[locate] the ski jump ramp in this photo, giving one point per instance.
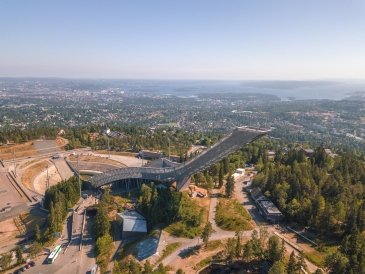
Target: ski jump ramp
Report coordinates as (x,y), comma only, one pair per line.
(180,174)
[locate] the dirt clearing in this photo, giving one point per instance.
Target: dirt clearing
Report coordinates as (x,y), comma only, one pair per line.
(40,180)
(20,150)
(61,142)
(96,159)
(29,173)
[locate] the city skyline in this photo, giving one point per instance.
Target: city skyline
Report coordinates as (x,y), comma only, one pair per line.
(208,40)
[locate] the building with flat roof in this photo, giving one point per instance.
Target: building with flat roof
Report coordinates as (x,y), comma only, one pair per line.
(270,211)
(240,171)
(308,152)
(266,207)
(150,155)
(134,225)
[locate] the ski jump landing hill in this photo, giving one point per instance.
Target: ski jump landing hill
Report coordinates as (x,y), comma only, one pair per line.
(180,174)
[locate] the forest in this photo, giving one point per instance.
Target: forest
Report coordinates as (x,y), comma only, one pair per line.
(321,193)
(58,200)
(163,206)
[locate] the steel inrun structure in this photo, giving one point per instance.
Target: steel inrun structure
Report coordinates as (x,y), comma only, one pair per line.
(180,174)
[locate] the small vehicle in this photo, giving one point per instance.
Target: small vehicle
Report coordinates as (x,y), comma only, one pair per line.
(56,156)
(27,266)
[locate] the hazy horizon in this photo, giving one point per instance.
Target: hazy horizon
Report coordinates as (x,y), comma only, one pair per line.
(302,90)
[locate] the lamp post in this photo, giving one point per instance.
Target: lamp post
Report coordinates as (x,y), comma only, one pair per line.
(78,172)
(14,162)
(169,147)
(47,179)
(108,148)
(168,139)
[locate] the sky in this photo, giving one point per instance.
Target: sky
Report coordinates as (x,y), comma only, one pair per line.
(183,39)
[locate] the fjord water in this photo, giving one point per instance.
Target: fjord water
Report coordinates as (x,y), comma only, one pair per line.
(301,90)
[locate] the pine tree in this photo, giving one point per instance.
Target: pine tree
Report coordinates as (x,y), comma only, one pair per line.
(277,268)
(248,251)
(19,255)
(207,232)
(148,268)
(275,252)
(37,234)
(102,224)
(301,262)
(229,186)
(292,263)
(225,165)
(238,244)
(220,176)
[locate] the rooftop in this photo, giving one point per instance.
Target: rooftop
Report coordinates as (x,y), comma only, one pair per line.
(269,207)
(133,221)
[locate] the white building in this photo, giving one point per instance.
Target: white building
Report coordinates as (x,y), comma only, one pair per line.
(240,171)
(134,225)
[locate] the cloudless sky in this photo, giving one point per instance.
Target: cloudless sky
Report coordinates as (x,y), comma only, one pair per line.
(183,39)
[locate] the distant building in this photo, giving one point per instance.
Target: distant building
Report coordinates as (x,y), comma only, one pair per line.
(10,142)
(240,171)
(308,152)
(266,208)
(330,153)
(105,129)
(271,154)
(150,155)
(115,134)
(133,224)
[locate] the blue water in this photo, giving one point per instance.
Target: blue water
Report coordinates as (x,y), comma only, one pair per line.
(300,90)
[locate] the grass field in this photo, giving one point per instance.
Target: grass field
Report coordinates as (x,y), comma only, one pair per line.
(183,228)
(213,245)
(232,216)
(31,172)
(203,263)
(318,257)
(169,249)
(180,229)
(96,159)
(20,150)
(315,257)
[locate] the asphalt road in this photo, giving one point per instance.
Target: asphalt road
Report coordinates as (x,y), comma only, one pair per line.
(63,169)
(10,195)
(72,260)
(46,146)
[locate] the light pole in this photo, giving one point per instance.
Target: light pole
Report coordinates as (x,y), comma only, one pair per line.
(14,162)
(168,139)
(78,173)
(142,156)
(169,147)
(108,148)
(47,179)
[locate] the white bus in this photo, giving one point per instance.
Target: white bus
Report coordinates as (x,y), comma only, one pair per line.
(52,257)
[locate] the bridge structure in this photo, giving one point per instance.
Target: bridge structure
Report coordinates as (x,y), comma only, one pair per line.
(181,174)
